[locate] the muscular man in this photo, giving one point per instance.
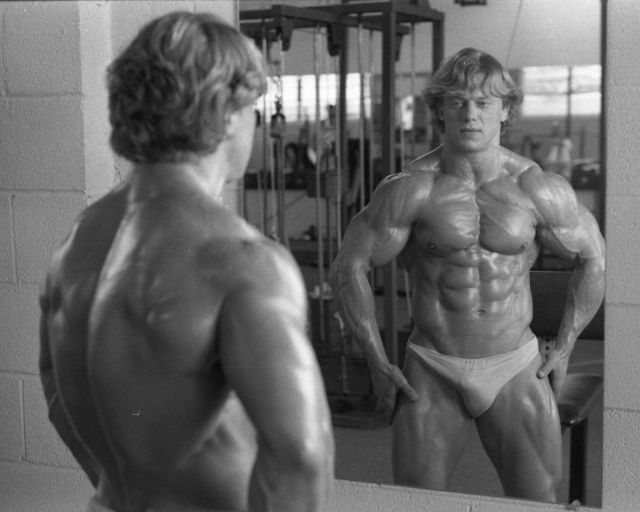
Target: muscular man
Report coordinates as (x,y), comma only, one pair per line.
(466,221)
(174,357)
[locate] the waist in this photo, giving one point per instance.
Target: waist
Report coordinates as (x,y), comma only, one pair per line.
(471,343)
(527,349)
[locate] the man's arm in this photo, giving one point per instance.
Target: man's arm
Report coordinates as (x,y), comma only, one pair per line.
(57,413)
(569,230)
(374,237)
(269,362)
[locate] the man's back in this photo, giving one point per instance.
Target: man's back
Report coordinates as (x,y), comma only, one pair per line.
(134,336)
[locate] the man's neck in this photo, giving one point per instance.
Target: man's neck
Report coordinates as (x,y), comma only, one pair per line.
(474,168)
(200,173)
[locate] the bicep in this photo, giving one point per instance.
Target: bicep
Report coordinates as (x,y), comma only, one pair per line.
(573,233)
(381,230)
(565,226)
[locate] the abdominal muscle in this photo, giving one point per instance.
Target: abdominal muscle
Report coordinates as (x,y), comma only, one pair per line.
(471,307)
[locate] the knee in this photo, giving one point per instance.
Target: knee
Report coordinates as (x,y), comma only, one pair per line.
(542,486)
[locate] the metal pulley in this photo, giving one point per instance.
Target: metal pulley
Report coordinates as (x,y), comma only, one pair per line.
(278,122)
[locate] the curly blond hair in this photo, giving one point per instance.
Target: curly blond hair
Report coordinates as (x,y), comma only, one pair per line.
(172,89)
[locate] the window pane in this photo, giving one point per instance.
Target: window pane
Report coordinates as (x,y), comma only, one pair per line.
(585,78)
(585,104)
(544,105)
(299,96)
(545,80)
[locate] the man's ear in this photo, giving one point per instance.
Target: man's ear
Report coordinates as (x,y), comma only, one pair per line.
(505,113)
(230,123)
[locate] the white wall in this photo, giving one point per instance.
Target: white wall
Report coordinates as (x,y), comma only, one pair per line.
(52,138)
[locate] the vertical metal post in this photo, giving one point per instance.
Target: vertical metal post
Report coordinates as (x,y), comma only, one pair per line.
(567,130)
(603,112)
(388,126)
(437,53)
(318,195)
(341,142)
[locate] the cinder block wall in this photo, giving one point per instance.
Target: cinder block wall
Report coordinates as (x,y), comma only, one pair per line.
(54,160)
(42,188)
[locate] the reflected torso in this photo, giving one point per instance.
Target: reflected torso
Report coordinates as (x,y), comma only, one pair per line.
(468,257)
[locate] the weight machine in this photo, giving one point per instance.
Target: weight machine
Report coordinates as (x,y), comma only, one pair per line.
(393,20)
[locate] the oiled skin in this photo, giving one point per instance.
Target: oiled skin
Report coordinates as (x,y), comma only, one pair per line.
(466,221)
(174,355)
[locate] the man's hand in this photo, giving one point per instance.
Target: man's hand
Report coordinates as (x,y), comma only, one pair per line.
(555,356)
(387,381)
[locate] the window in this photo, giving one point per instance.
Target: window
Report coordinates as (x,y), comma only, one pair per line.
(560,90)
(299,95)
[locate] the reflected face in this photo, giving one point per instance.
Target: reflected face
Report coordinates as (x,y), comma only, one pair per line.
(472,120)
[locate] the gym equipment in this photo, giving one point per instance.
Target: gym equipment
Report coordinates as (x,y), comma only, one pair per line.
(392,20)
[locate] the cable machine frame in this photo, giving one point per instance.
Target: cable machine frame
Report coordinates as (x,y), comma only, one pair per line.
(394,20)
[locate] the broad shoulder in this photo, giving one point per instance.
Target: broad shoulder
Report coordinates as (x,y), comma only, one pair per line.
(399,197)
(413,182)
(224,249)
(78,261)
(250,259)
(553,196)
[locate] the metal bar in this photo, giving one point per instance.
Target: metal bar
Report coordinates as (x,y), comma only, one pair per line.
(318,201)
(307,17)
(343,133)
(405,11)
(603,117)
(361,166)
(437,54)
(262,174)
(388,125)
(577,465)
(253,29)
(295,13)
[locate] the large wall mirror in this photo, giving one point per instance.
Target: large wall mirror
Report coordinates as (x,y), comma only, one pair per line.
(552,49)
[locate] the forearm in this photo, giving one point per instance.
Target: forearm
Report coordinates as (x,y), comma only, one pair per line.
(584,297)
(64,428)
(356,304)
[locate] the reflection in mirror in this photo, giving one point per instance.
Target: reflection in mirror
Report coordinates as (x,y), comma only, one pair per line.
(340,115)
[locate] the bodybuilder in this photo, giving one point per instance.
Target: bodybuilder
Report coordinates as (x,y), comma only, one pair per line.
(173,350)
(467,221)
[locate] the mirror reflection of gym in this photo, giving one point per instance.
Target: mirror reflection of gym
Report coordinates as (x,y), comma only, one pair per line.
(345,109)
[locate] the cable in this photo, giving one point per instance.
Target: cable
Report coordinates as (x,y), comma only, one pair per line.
(513,33)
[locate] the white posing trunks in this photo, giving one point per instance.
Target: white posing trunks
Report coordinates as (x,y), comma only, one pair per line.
(478,380)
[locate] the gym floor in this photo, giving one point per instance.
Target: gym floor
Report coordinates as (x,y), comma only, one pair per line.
(365,454)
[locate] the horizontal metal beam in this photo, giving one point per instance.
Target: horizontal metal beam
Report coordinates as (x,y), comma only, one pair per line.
(371,15)
(406,11)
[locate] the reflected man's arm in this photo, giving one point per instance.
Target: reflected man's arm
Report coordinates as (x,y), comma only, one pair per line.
(57,413)
(569,230)
(374,237)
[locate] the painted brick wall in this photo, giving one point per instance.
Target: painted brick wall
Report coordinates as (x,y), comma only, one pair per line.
(42,188)
(55,159)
